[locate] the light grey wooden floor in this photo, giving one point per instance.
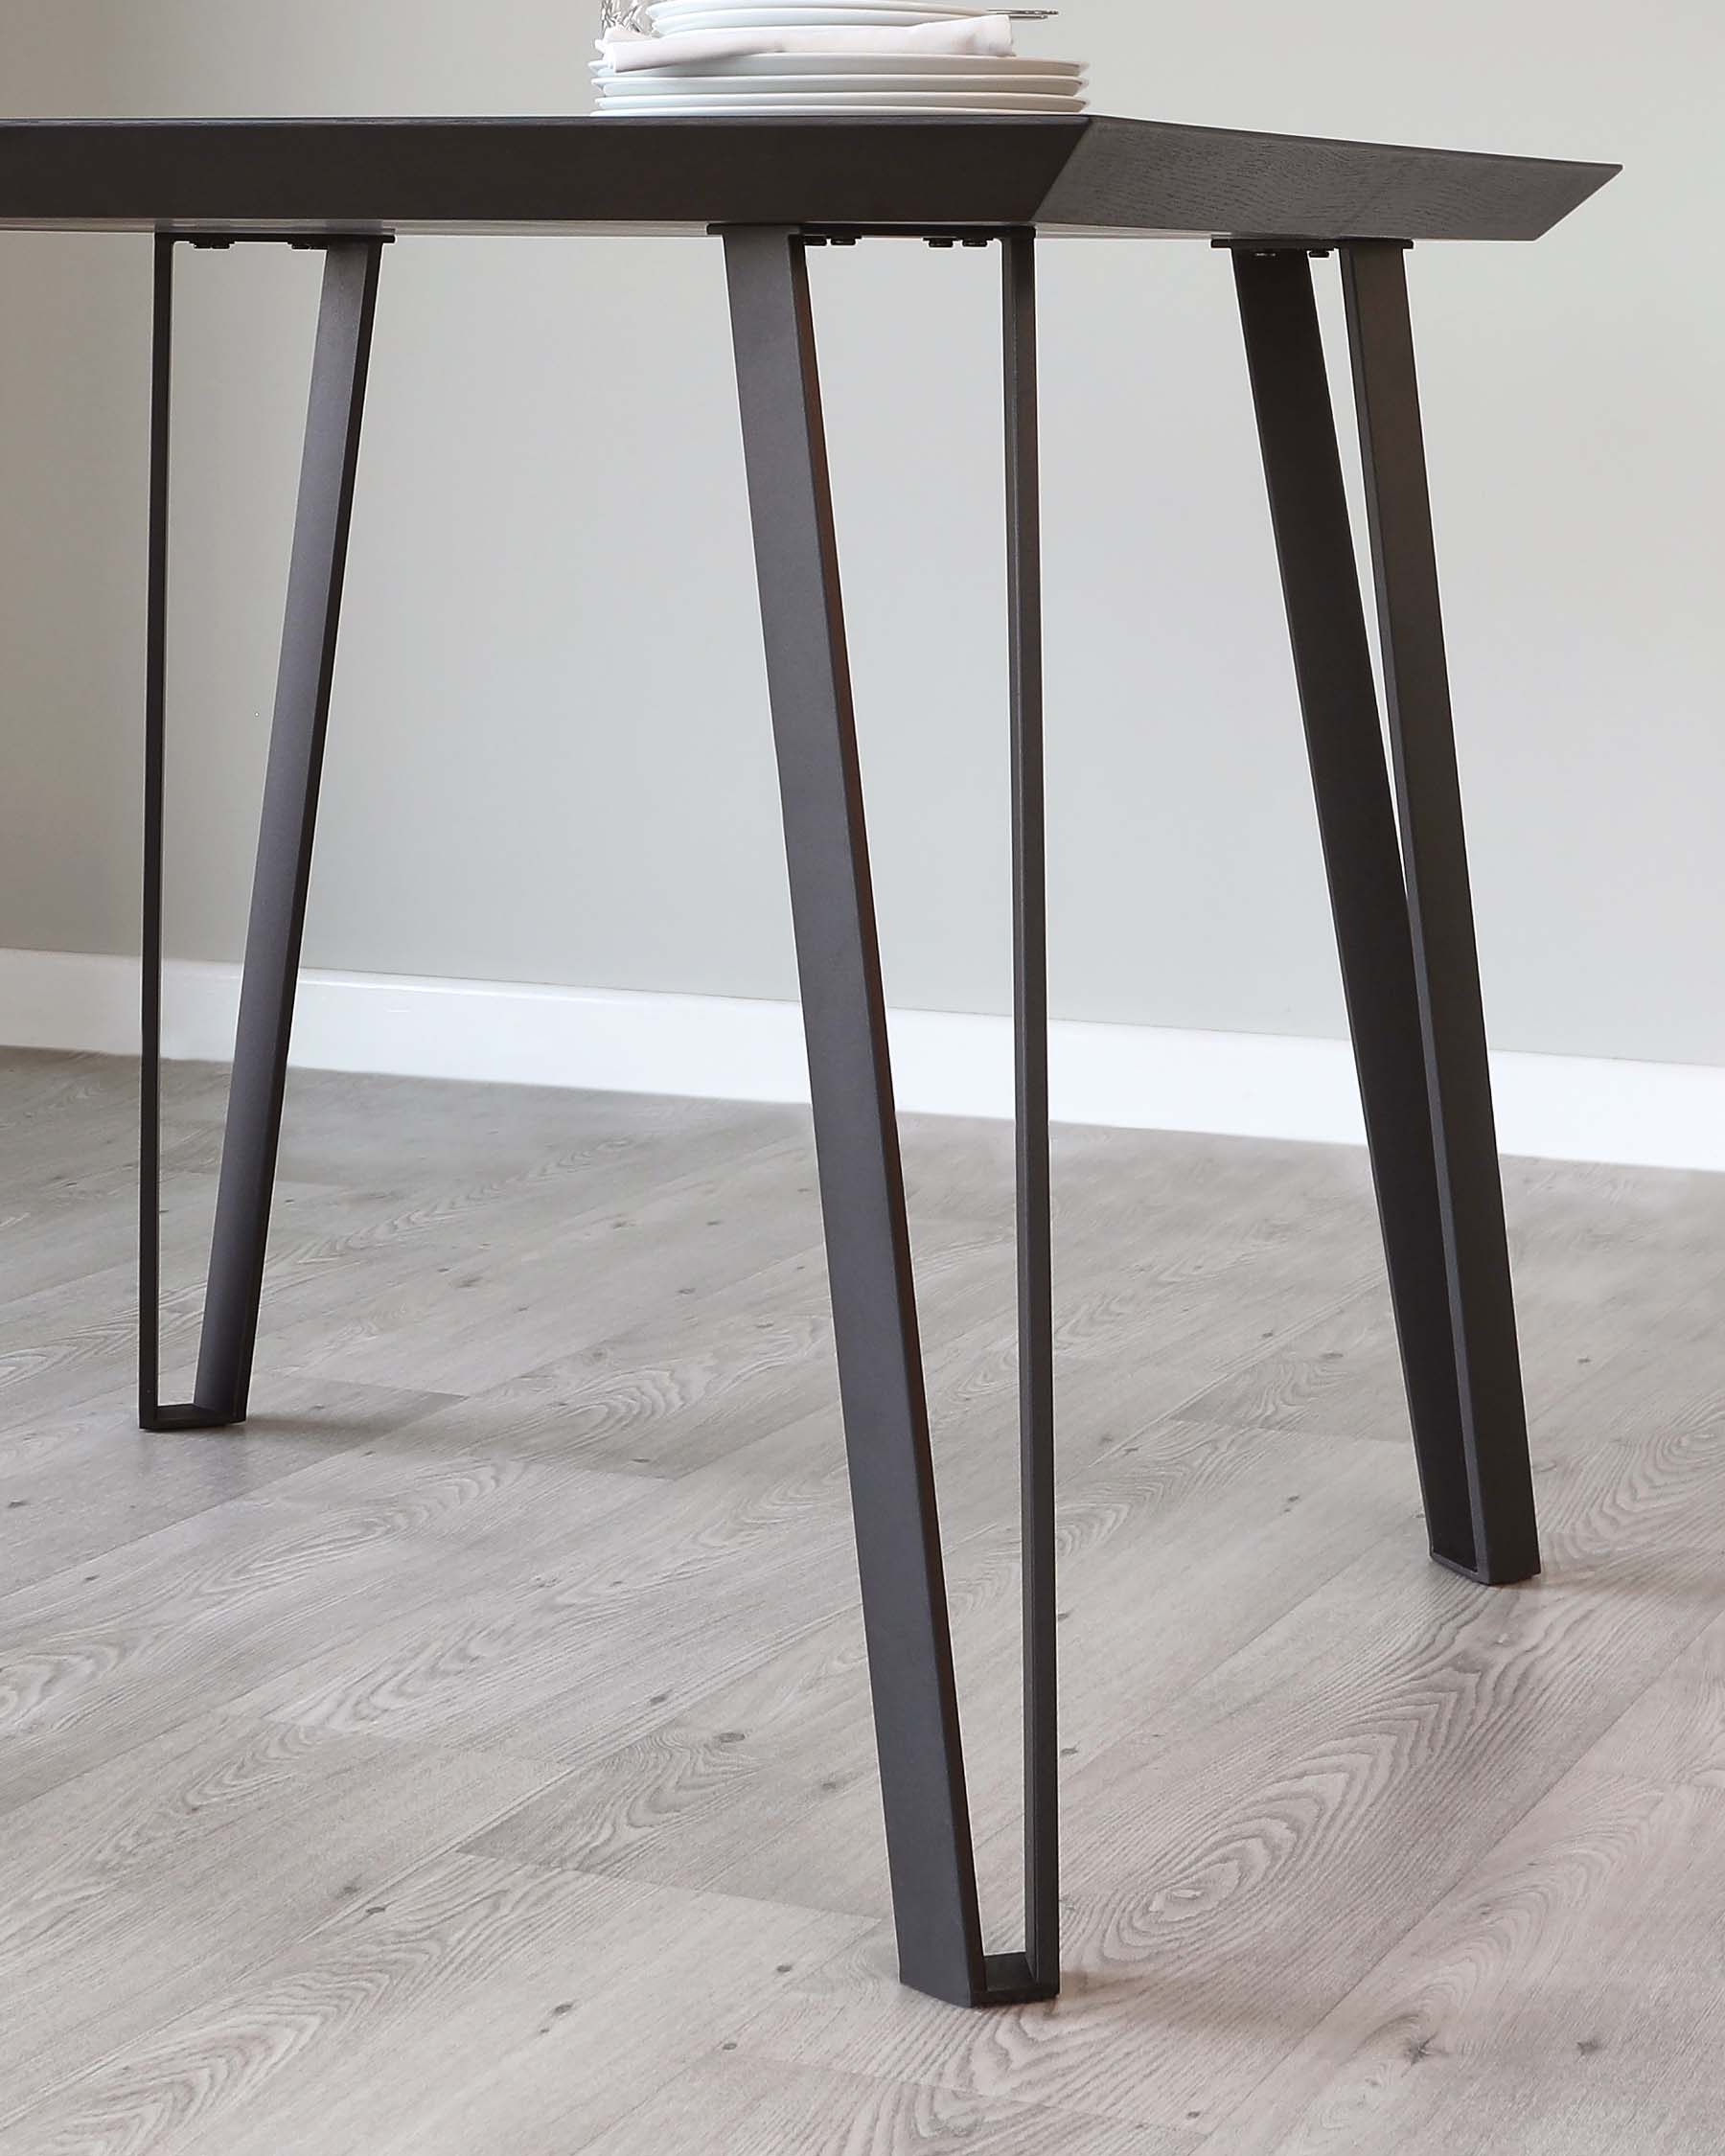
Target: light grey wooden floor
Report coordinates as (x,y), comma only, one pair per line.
(471,1757)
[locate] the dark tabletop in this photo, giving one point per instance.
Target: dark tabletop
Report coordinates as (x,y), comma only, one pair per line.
(1089,173)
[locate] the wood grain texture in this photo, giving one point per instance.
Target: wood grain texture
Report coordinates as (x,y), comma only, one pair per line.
(1175,1550)
(730,2101)
(474,1752)
(1138,176)
(1573,1967)
(475,2006)
(157,1879)
(86,1497)
(1086,173)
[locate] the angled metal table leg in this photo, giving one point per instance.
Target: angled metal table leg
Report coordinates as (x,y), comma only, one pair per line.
(151,1414)
(278,906)
(1030,1057)
(1446,964)
(1418,1040)
(929,1841)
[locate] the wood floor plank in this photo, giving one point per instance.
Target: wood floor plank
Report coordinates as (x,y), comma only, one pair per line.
(752,2107)
(451,1182)
(123,1646)
(1175,1551)
(72,1236)
(63,1115)
(679,1589)
(477,2007)
(480,1312)
(551,1635)
(684,1387)
(1586,1243)
(160,1878)
(91,1481)
(1674,1734)
(1544,2006)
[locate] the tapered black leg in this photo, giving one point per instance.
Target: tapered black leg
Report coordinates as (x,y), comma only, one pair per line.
(1030,1015)
(862,1186)
(1446,965)
(284,838)
(1434,1156)
(152,1414)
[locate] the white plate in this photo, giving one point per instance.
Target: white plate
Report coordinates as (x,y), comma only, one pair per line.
(841,101)
(809,113)
(854,15)
(887,12)
(812,15)
(773,11)
(708,88)
(943,10)
(805,17)
(759,65)
(862,13)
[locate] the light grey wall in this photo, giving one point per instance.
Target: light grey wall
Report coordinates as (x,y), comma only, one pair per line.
(549,757)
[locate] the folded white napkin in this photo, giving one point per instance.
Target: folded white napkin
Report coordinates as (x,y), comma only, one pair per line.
(625,49)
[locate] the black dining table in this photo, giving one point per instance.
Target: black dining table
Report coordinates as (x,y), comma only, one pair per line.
(767,190)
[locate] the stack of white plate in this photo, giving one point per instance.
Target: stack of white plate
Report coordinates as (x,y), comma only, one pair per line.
(831,82)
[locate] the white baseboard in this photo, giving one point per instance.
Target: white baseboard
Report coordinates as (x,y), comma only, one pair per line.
(1247,1084)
